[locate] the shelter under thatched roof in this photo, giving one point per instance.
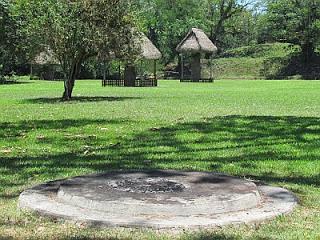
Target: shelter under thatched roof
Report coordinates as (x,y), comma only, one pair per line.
(45,57)
(142,49)
(148,50)
(45,66)
(145,49)
(196,41)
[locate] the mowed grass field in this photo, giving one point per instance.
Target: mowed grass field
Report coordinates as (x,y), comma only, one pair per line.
(262,130)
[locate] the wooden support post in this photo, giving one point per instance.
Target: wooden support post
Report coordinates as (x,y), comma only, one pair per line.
(211,65)
(155,70)
(104,71)
(141,70)
(31,71)
(155,73)
(182,68)
(104,74)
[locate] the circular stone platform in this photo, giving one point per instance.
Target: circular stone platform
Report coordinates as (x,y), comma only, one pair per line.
(158,199)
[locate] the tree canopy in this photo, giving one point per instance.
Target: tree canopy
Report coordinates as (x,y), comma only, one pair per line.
(297,22)
(10,53)
(167,21)
(76,30)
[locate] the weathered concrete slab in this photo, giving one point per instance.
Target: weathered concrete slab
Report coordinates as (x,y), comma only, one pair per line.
(158,199)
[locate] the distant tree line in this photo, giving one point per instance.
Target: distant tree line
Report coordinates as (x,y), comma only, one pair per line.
(233,23)
(78,30)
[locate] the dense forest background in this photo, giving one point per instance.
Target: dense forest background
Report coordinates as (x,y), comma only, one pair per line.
(281,36)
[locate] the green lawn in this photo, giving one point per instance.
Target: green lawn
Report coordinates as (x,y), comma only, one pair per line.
(262,130)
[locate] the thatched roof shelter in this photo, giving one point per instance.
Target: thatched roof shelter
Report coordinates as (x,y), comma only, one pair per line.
(143,49)
(196,41)
(44,65)
(45,57)
(149,51)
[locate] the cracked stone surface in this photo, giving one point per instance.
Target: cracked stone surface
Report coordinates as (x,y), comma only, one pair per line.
(158,199)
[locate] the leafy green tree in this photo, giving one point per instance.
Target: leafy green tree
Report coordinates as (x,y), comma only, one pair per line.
(9,39)
(231,22)
(166,22)
(239,30)
(296,22)
(76,30)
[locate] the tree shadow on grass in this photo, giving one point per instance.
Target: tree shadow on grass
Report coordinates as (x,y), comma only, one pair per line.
(15,131)
(244,142)
(13,82)
(259,147)
(6,238)
(79,99)
(93,238)
(210,236)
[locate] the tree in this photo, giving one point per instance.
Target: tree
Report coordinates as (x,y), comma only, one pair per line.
(9,39)
(76,30)
(166,22)
(297,22)
(238,30)
(228,18)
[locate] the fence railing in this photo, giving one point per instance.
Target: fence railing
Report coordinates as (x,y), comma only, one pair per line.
(138,83)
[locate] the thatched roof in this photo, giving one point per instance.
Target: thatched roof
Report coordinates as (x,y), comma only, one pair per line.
(196,41)
(144,48)
(45,57)
(148,50)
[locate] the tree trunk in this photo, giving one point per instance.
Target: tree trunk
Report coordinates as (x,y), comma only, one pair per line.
(153,35)
(308,51)
(69,81)
(68,88)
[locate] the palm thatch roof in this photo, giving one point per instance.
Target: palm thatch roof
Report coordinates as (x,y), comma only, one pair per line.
(143,48)
(196,41)
(148,50)
(45,57)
